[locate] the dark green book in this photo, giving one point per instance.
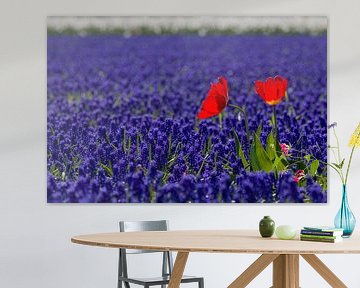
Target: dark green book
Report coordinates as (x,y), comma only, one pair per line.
(324,239)
(319,236)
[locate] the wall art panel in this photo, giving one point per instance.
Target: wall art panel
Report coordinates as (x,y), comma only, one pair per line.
(187,109)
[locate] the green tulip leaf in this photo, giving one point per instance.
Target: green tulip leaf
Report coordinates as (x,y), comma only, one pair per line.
(239,150)
(313,167)
(270,146)
(262,157)
(253,158)
(278,163)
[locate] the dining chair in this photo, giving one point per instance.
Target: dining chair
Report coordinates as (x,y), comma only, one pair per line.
(167,261)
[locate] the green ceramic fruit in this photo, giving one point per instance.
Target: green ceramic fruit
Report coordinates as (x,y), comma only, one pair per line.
(266,226)
(285,232)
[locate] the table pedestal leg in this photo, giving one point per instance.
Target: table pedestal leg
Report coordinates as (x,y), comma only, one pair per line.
(324,271)
(178,269)
(286,271)
(253,270)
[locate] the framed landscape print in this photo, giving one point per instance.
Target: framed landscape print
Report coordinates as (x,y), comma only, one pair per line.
(187,109)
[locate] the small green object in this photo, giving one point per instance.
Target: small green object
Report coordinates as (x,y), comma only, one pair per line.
(313,167)
(267,227)
(285,232)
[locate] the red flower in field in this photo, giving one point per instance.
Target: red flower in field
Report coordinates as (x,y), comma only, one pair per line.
(216,99)
(284,148)
(299,175)
(273,90)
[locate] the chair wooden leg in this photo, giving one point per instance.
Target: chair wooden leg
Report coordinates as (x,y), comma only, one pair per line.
(253,270)
(324,271)
(286,271)
(178,269)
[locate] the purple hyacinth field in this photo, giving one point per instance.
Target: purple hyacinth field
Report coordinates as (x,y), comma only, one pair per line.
(122,121)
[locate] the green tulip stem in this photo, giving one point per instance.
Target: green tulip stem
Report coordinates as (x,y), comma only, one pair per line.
(220,120)
(348,167)
(243,112)
(275,125)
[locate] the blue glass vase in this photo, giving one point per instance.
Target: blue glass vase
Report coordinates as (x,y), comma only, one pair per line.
(345,219)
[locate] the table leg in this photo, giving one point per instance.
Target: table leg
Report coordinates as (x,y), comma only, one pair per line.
(253,270)
(324,271)
(286,271)
(178,269)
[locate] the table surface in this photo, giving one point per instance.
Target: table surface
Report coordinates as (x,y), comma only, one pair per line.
(216,241)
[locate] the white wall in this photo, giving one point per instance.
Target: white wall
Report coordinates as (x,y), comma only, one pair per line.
(35,248)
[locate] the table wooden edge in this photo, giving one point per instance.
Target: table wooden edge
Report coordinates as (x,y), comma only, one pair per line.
(75,240)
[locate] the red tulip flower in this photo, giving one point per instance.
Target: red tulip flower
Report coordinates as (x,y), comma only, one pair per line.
(216,99)
(273,90)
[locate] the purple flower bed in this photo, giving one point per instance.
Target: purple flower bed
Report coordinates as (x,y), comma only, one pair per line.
(122,118)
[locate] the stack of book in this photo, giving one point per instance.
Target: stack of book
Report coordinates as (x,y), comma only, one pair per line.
(321,234)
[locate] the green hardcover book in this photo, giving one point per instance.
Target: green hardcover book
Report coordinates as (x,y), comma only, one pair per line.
(319,236)
(321,239)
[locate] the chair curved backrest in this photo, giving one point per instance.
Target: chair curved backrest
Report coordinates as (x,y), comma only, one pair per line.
(133,226)
(136,226)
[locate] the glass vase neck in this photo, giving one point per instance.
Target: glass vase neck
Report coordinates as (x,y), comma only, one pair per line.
(344,200)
